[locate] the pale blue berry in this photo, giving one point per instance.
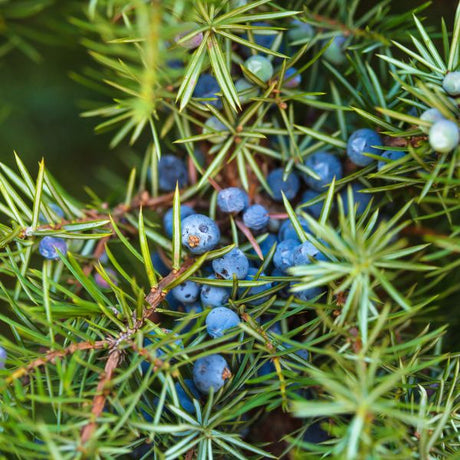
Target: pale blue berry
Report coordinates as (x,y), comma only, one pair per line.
(432,116)
(451,83)
(307,295)
(199,233)
(234,263)
(214,296)
(290,186)
(219,320)
(335,52)
(232,200)
(246,90)
(284,254)
(210,373)
(256,217)
(444,136)
(186,292)
(300,31)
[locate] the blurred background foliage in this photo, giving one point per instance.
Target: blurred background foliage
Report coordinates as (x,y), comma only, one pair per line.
(40,103)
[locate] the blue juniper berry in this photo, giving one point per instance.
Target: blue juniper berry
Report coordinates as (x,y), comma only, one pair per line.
(290,186)
(199,233)
(186,292)
(451,83)
(210,373)
(184,399)
(168,217)
(214,296)
(312,209)
(207,87)
(171,170)
(256,217)
(49,247)
(326,166)
(234,263)
(232,200)
(219,320)
(363,141)
(288,232)
(283,257)
(391,155)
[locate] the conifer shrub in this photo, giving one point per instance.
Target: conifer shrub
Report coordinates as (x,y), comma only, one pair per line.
(275,272)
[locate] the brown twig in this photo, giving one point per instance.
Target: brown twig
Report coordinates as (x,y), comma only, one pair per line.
(51,356)
(101,394)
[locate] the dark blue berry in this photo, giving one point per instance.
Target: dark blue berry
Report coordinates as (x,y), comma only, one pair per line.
(287,230)
(185,211)
(359,198)
(234,263)
(307,295)
(315,434)
(210,373)
(304,252)
(207,87)
(219,320)
(261,37)
(199,233)
(326,166)
(267,244)
(363,141)
(214,296)
(312,209)
(291,81)
(256,217)
(232,200)
(392,155)
(49,247)
(290,186)
(159,265)
(184,398)
(171,169)
(187,292)
(256,289)
(56,209)
(284,254)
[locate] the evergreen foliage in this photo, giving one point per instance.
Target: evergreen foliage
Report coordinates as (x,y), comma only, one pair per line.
(356,349)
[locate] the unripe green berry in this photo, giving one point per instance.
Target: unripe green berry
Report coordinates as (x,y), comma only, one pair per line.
(214,124)
(260,66)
